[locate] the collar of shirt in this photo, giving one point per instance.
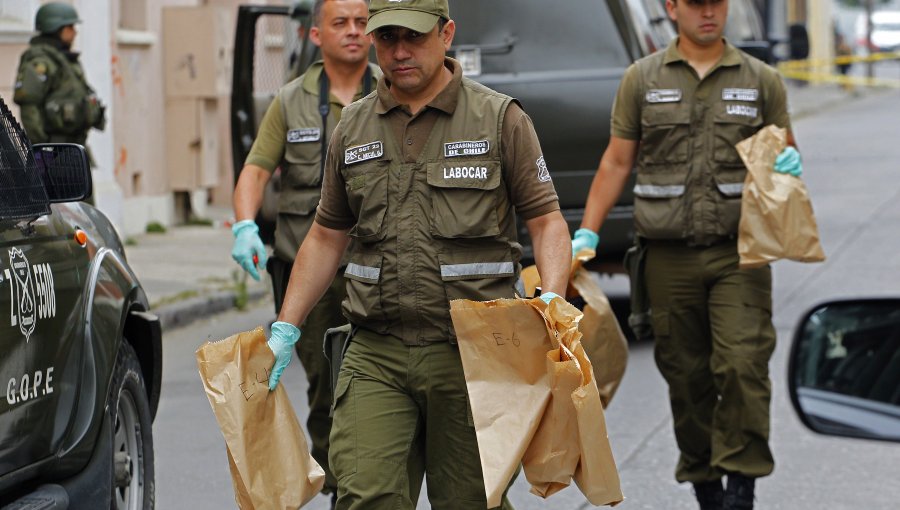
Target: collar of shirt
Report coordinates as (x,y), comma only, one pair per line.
(311,81)
(445,101)
(731,56)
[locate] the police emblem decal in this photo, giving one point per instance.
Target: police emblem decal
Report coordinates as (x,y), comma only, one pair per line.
(362,153)
(303,135)
(24,303)
(456,149)
(543,171)
(663,95)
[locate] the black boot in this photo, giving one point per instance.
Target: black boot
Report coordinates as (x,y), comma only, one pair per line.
(709,494)
(739,493)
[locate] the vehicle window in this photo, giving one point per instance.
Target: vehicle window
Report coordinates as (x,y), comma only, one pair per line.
(744,22)
(520,36)
(22,193)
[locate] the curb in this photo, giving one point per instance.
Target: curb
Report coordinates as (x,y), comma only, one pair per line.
(182,313)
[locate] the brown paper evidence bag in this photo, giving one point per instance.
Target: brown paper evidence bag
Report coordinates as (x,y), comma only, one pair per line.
(534,398)
(259,426)
(777,220)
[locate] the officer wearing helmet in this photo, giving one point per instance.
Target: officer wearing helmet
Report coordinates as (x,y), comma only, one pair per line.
(57,104)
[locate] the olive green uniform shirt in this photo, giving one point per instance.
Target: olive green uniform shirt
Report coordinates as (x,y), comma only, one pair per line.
(431,198)
(290,135)
(520,150)
(689,175)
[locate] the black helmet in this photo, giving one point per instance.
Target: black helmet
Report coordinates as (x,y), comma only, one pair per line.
(53,16)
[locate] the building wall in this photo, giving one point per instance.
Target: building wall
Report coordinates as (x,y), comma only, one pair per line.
(123,53)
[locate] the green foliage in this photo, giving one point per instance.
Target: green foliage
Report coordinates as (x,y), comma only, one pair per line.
(241,296)
(862,3)
(200,222)
(155,227)
(130,241)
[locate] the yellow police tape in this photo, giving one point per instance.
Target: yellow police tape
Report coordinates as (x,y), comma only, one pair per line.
(814,70)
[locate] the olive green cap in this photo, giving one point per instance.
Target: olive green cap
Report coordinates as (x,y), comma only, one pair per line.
(53,16)
(417,15)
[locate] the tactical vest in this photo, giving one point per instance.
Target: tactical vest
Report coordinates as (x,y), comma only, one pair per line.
(301,169)
(689,176)
(438,229)
(70,108)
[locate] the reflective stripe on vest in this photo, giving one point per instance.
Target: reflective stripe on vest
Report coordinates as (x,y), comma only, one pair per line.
(477,269)
(654,191)
(364,272)
(731,190)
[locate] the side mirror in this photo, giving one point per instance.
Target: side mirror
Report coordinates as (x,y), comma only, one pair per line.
(844,369)
(798,41)
(64,170)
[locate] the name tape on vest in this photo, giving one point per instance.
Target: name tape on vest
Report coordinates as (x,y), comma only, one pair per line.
(304,135)
(750,95)
(543,171)
(362,153)
(455,149)
(465,172)
(741,110)
(663,95)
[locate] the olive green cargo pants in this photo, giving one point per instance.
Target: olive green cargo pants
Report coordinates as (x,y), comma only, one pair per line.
(326,314)
(714,338)
(402,412)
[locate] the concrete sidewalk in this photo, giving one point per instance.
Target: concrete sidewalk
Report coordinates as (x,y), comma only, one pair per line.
(188,272)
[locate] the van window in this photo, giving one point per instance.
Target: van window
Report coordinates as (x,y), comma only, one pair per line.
(517,36)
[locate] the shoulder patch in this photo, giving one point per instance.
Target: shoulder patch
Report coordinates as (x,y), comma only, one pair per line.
(543,171)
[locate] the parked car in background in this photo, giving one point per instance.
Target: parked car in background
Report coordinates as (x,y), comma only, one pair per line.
(885,31)
(567,84)
(80,353)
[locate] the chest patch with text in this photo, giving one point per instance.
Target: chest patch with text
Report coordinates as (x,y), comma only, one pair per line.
(303,135)
(466,172)
(455,149)
(732,94)
(741,110)
(663,95)
(360,153)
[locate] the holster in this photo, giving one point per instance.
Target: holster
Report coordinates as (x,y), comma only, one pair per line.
(335,345)
(640,318)
(280,271)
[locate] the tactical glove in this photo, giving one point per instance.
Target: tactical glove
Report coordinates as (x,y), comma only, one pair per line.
(584,238)
(247,244)
(788,162)
(281,341)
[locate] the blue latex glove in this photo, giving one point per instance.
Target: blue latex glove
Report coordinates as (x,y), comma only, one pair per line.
(788,162)
(284,336)
(584,238)
(247,244)
(546,297)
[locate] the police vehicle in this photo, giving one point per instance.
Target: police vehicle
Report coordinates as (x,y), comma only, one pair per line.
(80,353)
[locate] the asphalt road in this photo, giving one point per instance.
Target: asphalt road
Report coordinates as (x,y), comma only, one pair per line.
(851,156)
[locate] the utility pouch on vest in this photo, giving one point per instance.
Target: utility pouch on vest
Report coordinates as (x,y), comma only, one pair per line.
(65,115)
(640,317)
(337,340)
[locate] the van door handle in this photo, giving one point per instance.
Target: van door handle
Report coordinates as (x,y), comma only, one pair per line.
(488,49)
